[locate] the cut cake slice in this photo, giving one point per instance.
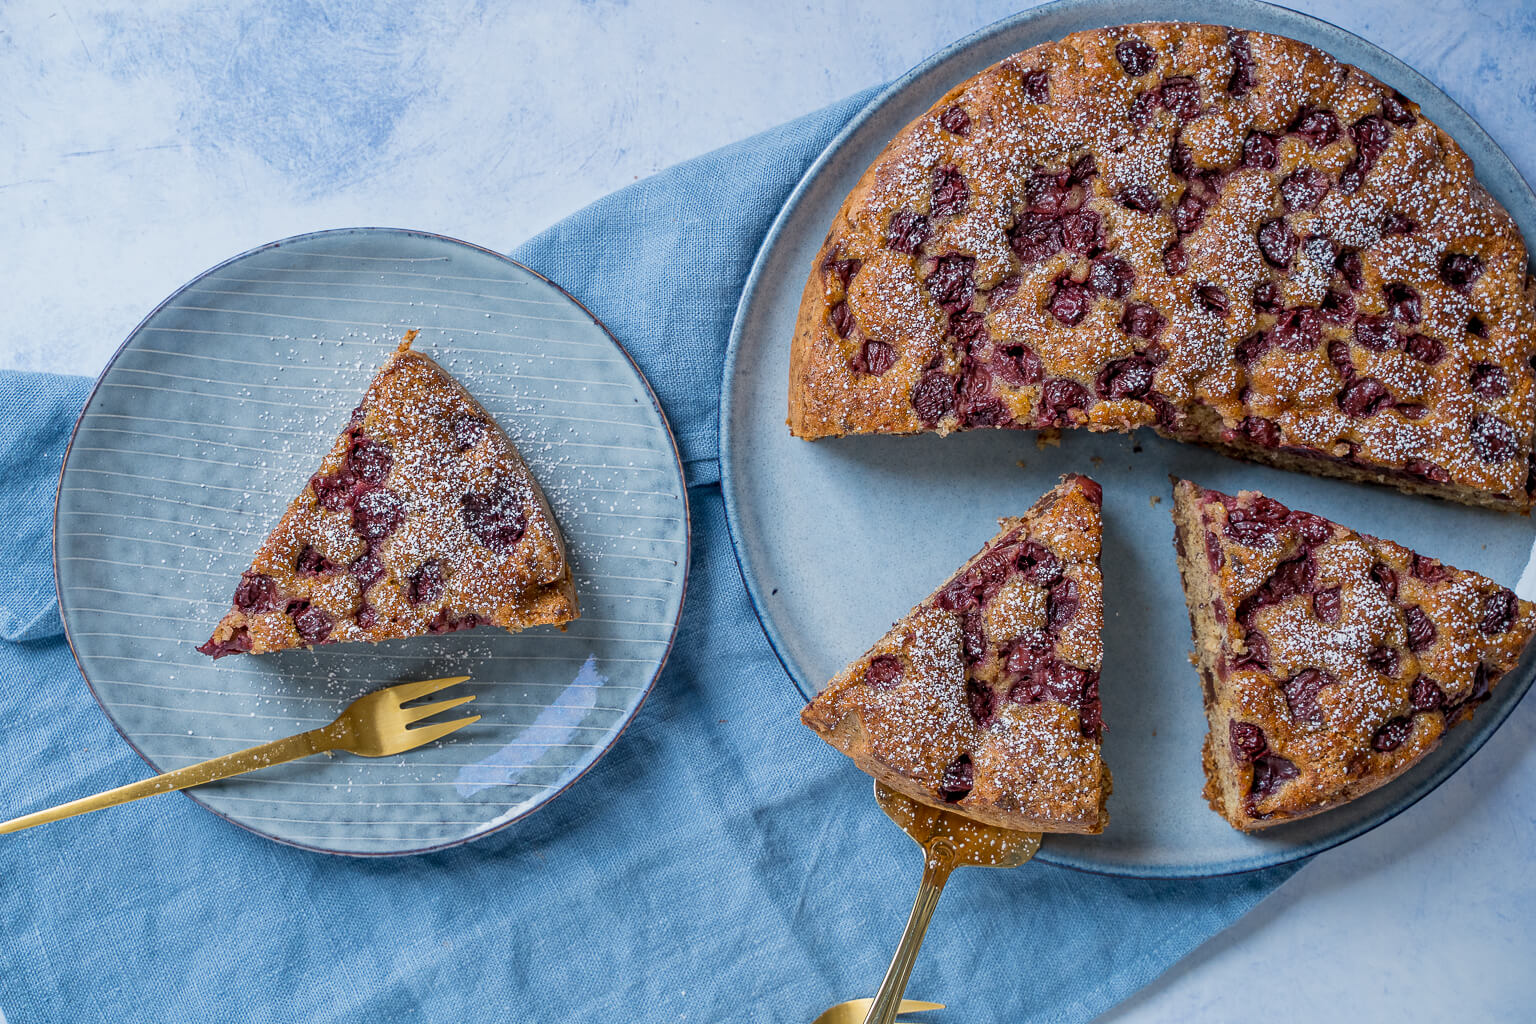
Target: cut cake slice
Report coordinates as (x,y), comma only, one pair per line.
(984,699)
(423,518)
(1331,661)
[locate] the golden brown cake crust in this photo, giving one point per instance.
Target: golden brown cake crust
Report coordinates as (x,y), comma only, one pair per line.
(985,698)
(1331,662)
(1229,236)
(423,518)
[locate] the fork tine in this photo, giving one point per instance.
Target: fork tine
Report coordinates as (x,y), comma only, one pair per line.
(403,692)
(428,710)
(428,733)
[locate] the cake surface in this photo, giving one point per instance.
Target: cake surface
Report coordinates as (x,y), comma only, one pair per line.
(1330,661)
(423,518)
(984,699)
(1228,236)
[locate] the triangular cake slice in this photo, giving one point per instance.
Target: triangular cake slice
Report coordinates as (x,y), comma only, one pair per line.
(1227,236)
(423,518)
(984,699)
(1331,661)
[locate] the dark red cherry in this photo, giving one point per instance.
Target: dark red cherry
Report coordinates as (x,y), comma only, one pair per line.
(883,672)
(494,517)
(908,231)
(1135,56)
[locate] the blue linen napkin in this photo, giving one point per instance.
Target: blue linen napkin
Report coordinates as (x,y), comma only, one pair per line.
(719,864)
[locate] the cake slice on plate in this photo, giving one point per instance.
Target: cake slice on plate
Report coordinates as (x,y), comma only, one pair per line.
(422,519)
(1331,661)
(984,699)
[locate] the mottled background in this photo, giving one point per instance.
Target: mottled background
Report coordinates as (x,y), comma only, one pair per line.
(142,142)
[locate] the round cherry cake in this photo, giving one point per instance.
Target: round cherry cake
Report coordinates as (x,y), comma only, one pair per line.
(1228,236)
(984,699)
(1331,661)
(423,518)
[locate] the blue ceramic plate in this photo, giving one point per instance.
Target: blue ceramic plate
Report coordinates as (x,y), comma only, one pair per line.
(839,538)
(209,420)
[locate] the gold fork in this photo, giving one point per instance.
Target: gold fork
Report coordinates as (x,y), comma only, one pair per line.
(949,841)
(853,1011)
(374,725)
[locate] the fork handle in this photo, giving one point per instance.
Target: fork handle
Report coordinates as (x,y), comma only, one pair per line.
(238,763)
(939,861)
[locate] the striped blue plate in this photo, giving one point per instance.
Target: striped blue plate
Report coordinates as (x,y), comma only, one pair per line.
(209,420)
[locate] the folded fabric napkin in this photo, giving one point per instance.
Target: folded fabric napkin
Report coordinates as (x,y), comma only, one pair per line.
(720,863)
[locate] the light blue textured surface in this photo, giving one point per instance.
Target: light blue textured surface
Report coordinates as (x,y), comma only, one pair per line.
(213,416)
(110,199)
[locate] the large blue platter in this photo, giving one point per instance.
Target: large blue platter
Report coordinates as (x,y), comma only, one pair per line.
(839,538)
(212,416)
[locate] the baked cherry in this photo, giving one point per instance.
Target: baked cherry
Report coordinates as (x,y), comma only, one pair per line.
(378,513)
(1035,237)
(955,120)
(1392,734)
(1301,695)
(1037,85)
(494,517)
(1304,188)
(1245,74)
(1493,439)
(1058,398)
(1328,605)
(874,357)
(1141,321)
(428,584)
(1426,694)
(1319,127)
(256,592)
(1260,152)
(1421,629)
(1111,277)
(909,230)
(1247,741)
(1489,381)
(842,319)
(952,282)
(1278,243)
(1459,270)
(949,192)
(1213,299)
(1069,302)
(1270,772)
(1135,56)
(313,624)
(933,396)
(957,780)
(883,672)
(1500,609)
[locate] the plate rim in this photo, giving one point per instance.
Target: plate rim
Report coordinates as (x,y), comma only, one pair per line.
(1223,12)
(498,824)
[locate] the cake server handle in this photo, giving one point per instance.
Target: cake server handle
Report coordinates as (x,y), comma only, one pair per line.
(939,861)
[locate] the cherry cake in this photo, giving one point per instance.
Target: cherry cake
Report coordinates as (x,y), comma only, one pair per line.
(423,518)
(984,699)
(1331,661)
(1228,236)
